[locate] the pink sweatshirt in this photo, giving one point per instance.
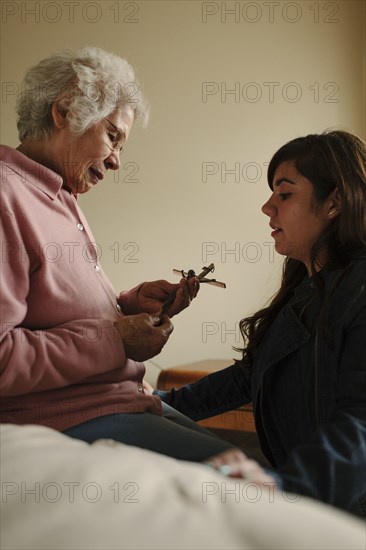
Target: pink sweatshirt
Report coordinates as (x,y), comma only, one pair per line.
(61,359)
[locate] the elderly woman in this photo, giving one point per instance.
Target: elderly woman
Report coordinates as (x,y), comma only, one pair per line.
(71,350)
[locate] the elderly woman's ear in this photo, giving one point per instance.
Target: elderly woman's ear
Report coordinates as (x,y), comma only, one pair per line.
(59,115)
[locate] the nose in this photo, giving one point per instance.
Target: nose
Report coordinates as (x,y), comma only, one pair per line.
(113,161)
(268,207)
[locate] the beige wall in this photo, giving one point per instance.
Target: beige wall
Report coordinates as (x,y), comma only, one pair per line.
(294,68)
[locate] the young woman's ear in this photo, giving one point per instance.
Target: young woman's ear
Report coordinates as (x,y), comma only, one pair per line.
(58,115)
(335,205)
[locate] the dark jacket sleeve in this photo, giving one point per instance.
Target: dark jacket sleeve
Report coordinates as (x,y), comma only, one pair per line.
(214,394)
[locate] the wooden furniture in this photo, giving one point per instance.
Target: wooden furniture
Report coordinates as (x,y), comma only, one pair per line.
(239,420)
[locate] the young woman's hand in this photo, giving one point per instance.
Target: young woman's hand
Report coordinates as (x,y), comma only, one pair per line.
(234,463)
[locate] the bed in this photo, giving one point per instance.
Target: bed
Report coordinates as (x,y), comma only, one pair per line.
(61,493)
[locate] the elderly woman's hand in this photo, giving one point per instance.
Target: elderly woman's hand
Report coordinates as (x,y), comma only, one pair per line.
(144,335)
(152,295)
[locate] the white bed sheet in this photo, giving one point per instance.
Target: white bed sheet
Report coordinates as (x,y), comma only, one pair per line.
(60,493)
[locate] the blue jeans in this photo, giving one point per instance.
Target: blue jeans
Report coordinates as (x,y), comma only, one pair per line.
(172,434)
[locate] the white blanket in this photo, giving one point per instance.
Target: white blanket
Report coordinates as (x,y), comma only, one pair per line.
(60,493)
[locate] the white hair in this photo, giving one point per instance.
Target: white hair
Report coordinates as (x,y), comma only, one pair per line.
(88,85)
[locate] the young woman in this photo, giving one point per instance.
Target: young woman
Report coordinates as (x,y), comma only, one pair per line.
(304,361)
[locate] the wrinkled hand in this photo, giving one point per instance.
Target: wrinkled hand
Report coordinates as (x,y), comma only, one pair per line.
(234,463)
(152,295)
(144,335)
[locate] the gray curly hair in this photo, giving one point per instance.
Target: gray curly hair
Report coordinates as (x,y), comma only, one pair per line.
(88,85)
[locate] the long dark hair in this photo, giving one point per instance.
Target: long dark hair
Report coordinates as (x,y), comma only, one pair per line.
(332,160)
